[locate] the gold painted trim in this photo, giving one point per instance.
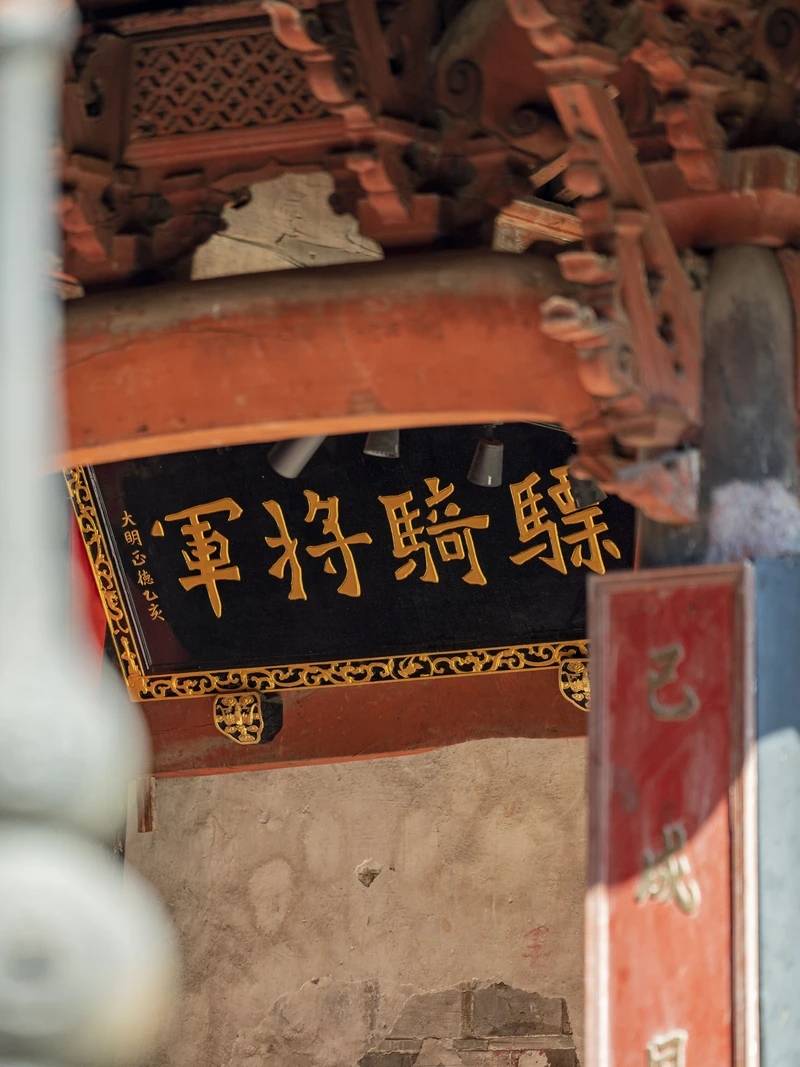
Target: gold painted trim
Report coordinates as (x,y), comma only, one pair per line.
(401,668)
(573,681)
(119,624)
(239,718)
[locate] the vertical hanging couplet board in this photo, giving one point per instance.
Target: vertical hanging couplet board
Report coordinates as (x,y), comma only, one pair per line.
(671,951)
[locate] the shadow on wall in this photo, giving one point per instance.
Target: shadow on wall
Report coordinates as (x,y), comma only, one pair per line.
(478,1025)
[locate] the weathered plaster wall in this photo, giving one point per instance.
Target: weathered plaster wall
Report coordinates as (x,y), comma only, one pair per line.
(288,223)
(295,958)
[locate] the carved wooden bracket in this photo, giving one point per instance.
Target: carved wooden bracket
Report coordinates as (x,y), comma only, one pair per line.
(166,118)
(645,351)
(332,74)
(636,324)
(433,154)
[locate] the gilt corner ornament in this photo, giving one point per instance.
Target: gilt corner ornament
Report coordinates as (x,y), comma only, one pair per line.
(239,718)
(573,682)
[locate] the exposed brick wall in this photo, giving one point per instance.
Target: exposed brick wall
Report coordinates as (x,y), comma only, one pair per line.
(478,1025)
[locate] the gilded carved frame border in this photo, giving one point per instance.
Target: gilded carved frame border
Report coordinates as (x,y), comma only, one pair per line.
(569,658)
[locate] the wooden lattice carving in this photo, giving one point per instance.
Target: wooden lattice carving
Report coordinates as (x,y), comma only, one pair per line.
(431,118)
(204,82)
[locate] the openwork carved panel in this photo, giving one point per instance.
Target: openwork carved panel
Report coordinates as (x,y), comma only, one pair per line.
(239,718)
(573,682)
(202,82)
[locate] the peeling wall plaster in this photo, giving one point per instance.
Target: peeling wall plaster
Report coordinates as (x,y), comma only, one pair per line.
(293,958)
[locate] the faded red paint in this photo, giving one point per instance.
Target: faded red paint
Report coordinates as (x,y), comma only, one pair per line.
(258,358)
(535,943)
(652,968)
(364,722)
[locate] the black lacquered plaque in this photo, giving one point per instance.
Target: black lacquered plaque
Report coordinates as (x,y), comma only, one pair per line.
(219,576)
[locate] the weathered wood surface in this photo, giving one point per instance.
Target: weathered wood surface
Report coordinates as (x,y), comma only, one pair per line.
(365,722)
(671,961)
(418,341)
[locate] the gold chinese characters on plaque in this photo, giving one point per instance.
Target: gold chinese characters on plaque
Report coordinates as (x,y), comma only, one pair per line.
(220,577)
(207,553)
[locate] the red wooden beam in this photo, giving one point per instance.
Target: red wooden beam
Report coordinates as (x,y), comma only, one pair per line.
(364,722)
(419,340)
